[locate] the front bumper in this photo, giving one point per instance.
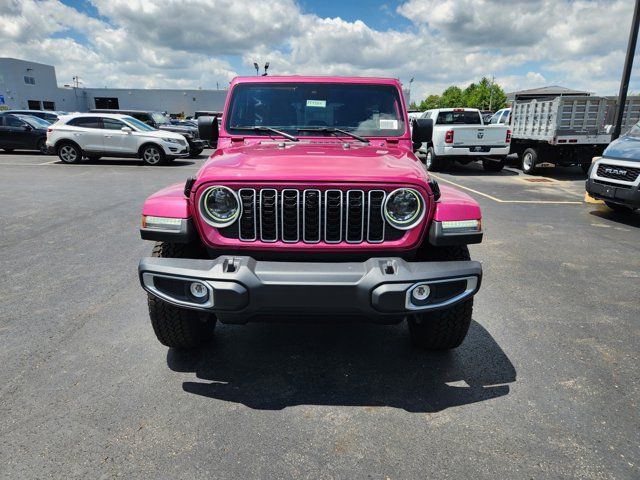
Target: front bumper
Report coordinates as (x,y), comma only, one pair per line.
(241,288)
(196,144)
(611,192)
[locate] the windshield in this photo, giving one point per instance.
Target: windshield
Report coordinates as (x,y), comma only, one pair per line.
(35,122)
(373,110)
(464,118)
(138,125)
(496,117)
(160,119)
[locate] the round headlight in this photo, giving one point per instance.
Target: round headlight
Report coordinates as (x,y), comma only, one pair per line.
(404,208)
(219,206)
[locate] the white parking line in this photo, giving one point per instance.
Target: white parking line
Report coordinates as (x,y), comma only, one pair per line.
(499,200)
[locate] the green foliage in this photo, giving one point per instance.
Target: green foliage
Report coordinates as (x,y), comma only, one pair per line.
(482,95)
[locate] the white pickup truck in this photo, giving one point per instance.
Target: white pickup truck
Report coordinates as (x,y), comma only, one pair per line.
(459,134)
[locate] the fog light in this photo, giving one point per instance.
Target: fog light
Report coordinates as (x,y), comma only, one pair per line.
(198,290)
(420,293)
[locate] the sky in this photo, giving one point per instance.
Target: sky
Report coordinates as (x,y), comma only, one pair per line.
(205,43)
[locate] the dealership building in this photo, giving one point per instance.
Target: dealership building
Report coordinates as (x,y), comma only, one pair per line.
(30,85)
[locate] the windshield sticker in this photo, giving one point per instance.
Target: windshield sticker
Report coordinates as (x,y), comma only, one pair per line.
(387,124)
(317,103)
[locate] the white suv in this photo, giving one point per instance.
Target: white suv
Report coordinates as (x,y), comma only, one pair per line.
(94,135)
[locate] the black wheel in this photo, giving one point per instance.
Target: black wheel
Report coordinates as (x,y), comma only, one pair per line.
(617,207)
(69,153)
(585,167)
(431,162)
(42,146)
(195,153)
(153,155)
(174,326)
(529,161)
(442,329)
(493,165)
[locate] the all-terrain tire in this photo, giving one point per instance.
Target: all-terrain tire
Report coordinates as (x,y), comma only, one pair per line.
(442,329)
(174,326)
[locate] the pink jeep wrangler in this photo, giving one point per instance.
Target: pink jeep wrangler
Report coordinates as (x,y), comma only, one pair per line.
(312,206)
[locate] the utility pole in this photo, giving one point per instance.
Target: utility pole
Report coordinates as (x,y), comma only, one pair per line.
(626,73)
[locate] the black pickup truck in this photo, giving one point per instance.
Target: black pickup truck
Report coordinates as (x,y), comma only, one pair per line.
(162,122)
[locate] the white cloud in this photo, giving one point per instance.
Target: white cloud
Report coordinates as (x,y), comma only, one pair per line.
(171,43)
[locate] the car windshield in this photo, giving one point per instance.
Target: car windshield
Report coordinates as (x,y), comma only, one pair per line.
(300,108)
(138,125)
(35,122)
(453,117)
(635,131)
(160,119)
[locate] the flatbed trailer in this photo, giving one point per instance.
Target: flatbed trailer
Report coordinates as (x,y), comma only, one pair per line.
(566,130)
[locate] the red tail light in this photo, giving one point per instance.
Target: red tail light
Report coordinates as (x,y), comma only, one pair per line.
(448,137)
(508,139)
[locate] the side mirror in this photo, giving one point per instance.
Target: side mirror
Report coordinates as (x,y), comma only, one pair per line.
(27,127)
(422,132)
(208,129)
(126,129)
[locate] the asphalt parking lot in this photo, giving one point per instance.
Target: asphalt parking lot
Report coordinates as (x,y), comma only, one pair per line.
(546,385)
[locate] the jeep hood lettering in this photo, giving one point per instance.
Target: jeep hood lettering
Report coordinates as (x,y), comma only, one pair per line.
(313,162)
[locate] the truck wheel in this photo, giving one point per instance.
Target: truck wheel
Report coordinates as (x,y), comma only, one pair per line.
(442,329)
(195,153)
(69,153)
(492,165)
(178,327)
(529,161)
(153,155)
(431,162)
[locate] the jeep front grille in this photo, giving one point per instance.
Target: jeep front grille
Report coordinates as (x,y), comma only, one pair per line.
(626,174)
(311,216)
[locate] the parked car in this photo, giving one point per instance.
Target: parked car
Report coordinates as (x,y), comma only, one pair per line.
(48,115)
(459,134)
(96,135)
(615,177)
(501,117)
(345,224)
(565,130)
(162,122)
(23,132)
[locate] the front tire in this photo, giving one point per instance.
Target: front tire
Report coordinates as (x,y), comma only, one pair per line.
(69,153)
(177,327)
(153,155)
(442,329)
(529,161)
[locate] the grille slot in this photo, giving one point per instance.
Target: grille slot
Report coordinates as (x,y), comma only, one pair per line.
(269,215)
(626,174)
(312,216)
(248,230)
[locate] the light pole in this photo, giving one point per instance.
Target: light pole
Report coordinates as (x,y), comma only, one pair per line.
(626,72)
(255,65)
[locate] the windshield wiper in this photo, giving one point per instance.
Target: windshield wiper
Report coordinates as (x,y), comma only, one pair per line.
(261,128)
(333,130)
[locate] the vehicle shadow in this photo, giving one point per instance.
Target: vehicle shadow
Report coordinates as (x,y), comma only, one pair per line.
(474,169)
(630,219)
(273,366)
(133,162)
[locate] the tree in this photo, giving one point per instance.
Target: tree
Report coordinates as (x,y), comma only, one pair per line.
(452,97)
(432,101)
(483,95)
